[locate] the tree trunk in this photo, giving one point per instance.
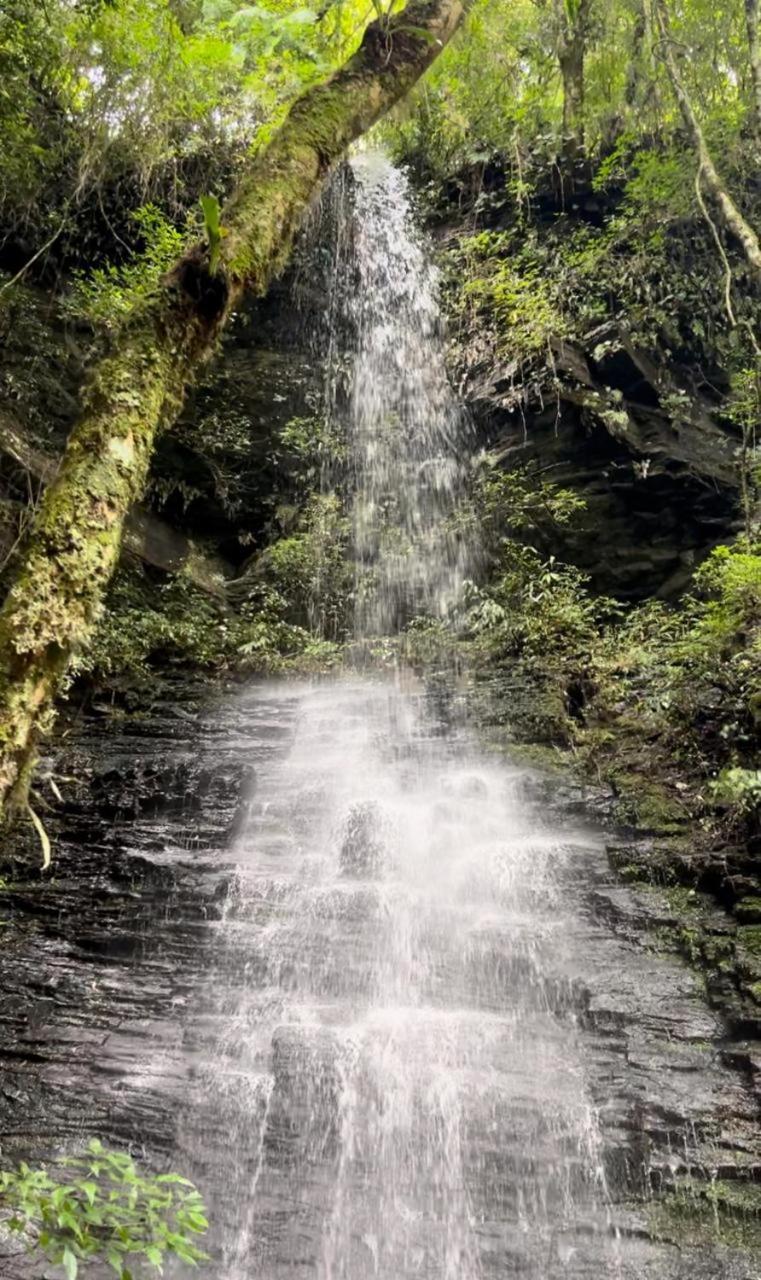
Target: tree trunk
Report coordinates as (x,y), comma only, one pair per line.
(642,88)
(145,536)
(730,216)
(573,18)
(54,602)
(634,72)
(754,47)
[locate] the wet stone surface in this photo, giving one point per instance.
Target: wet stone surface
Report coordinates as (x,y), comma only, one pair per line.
(335,965)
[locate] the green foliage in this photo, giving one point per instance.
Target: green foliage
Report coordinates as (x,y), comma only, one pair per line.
(100,1208)
(105,107)
(698,1211)
(516,502)
(728,613)
(146,624)
(686,678)
(310,568)
(650,261)
(544,263)
(428,645)
(693,672)
(131,113)
(509,288)
(537,609)
(739,789)
(312,443)
(145,621)
(497,91)
(107,295)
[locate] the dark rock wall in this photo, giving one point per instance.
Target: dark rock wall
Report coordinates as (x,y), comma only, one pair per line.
(649,520)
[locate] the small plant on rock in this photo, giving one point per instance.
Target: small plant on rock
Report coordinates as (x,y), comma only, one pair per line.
(98,1207)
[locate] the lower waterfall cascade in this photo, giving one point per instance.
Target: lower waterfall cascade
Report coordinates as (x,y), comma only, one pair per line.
(415,1039)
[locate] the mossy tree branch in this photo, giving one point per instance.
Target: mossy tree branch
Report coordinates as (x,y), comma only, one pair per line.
(74,546)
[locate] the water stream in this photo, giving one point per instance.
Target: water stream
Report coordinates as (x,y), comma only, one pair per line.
(406,432)
(391,1077)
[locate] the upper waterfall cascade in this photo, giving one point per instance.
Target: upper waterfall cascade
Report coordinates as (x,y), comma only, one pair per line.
(387,394)
(407,428)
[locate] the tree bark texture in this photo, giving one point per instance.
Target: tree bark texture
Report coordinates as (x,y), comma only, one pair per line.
(730,216)
(573,30)
(146,536)
(753,23)
(75,543)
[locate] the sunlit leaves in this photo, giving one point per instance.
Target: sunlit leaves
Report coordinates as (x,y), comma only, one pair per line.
(121,94)
(497,88)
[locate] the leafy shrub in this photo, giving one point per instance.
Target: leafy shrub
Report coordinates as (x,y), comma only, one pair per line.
(428,644)
(537,608)
(683,681)
(509,287)
(516,502)
(310,568)
(313,442)
(98,1207)
(145,620)
(173,622)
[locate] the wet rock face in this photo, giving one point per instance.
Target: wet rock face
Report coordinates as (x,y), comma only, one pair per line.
(638,434)
(100,956)
(649,521)
(305,1107)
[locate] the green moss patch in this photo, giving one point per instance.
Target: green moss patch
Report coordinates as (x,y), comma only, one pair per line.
(696,1212)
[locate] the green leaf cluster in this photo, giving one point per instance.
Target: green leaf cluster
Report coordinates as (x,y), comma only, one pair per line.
(105,296)
(100,1207)
(108,106)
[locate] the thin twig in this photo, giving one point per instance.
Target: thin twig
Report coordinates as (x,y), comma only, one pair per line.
(10,283)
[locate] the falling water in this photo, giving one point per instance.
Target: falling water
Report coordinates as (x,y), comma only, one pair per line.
(406,424)
(390,1083)
(389,398)
(398,1091)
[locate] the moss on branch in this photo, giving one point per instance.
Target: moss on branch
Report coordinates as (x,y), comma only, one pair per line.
(73,550)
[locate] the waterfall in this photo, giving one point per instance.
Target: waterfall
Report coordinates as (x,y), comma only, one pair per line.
(389,1081)
(386,395)
(399,1087)
(406,427)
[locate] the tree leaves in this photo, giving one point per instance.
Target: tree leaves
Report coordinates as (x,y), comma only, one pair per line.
(114,1213)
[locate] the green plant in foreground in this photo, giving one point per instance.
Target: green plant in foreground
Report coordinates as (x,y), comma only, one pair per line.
(99,1208)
